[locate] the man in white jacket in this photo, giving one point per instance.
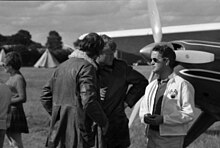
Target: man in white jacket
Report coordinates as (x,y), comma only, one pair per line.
(167,106)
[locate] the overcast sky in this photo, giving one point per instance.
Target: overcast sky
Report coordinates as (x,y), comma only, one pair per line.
(73,18)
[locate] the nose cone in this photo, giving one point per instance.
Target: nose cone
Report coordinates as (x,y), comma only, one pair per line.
(146,51)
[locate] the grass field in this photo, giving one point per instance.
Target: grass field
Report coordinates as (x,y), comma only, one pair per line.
(38,119)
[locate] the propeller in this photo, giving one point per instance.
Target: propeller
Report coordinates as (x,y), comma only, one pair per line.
(137,105)
(155,26)
(146,51)
(155,21)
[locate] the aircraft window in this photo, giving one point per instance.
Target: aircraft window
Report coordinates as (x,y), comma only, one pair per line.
(177,46)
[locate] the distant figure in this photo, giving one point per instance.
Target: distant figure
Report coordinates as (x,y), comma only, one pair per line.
(120,86)
(71,97)
(17,84)
(168,103)
(5,99)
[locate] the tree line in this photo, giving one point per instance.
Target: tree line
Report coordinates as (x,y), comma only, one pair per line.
(30,50)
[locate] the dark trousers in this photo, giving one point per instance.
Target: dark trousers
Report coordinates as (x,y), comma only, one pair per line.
(2,137)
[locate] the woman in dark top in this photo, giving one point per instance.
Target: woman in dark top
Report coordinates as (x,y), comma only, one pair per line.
(17,84)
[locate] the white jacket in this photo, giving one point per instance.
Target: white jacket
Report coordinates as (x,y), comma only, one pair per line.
(177,105)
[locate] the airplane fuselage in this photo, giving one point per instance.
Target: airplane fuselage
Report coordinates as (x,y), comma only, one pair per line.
(206,80)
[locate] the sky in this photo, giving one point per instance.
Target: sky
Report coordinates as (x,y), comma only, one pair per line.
(74,18)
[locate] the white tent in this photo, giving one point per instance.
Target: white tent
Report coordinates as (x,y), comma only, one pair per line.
(2,55)
(47,60)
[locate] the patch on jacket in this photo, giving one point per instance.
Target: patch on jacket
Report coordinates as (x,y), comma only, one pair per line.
(173,93)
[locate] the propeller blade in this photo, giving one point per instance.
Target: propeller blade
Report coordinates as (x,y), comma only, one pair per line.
(134,112)
(137,105)
(146,51)
(194,57)
(155,21)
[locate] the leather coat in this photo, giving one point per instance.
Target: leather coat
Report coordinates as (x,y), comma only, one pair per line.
(71,97)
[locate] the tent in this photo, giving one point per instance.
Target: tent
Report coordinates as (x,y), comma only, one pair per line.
(2,55)
(47,60)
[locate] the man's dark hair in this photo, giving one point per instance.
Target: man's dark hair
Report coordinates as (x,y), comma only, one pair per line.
(108,41)
(166,51)
(92,44)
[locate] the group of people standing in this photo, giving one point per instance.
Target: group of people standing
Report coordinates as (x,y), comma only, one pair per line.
(12,96)
(87,95)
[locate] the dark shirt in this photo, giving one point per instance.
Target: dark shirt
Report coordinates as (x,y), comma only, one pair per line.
(119,83)
(158,100)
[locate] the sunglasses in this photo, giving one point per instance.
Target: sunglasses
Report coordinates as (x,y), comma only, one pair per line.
(155,60)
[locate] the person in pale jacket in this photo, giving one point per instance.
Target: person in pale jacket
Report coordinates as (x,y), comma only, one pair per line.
(168,104)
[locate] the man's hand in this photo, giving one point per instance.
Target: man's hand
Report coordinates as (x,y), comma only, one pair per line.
(125,105)
(105,128)
(153,119)
(103,92)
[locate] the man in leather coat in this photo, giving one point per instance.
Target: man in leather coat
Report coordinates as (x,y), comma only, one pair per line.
(71,97)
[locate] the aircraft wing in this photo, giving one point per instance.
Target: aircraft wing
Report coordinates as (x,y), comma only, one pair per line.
(133,40)
(129,42)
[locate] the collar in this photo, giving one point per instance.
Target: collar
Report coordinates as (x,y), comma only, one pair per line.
(107,67)
(80,54)
(170,77)
(162,81)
